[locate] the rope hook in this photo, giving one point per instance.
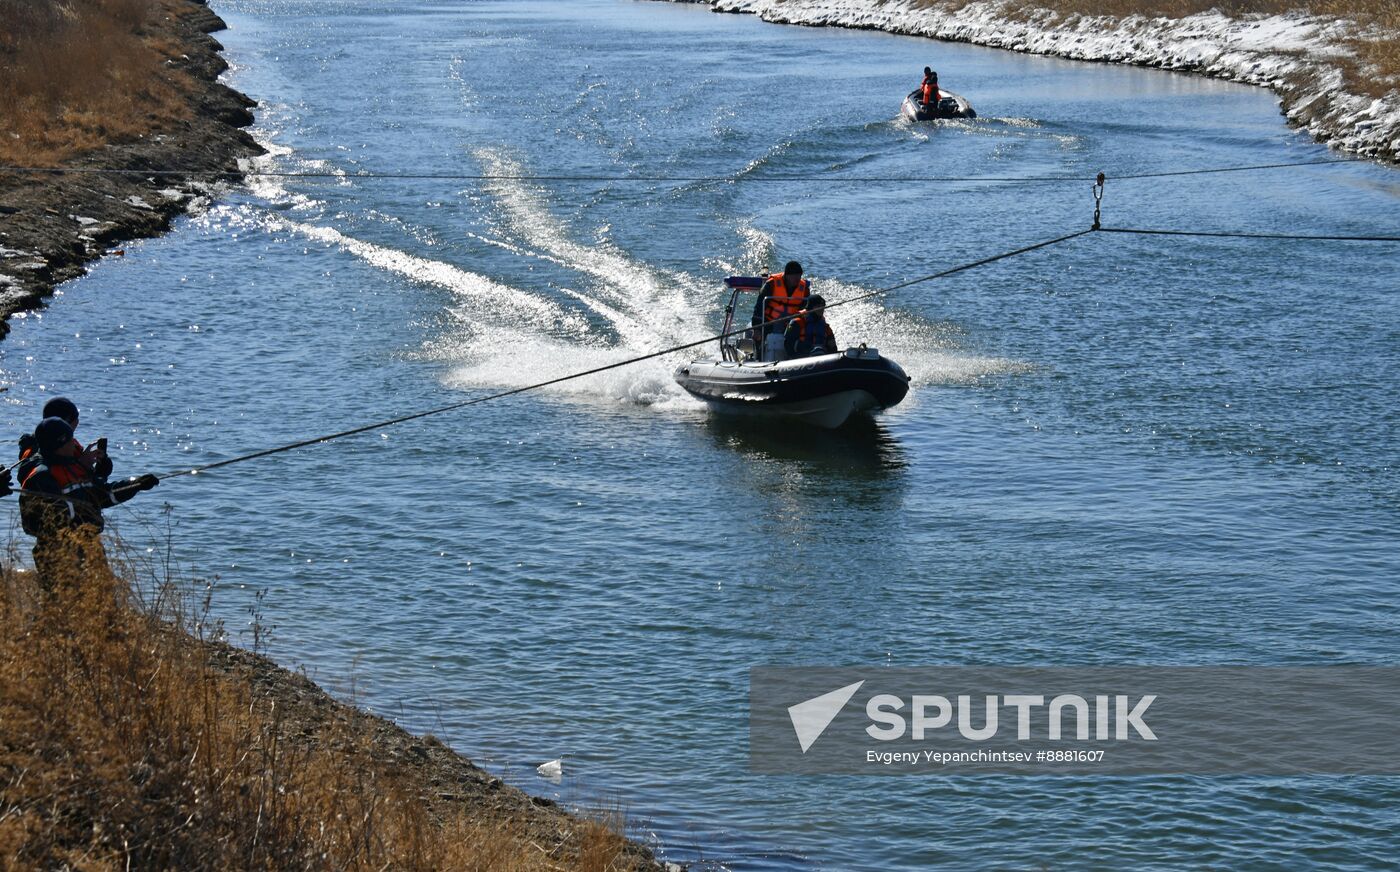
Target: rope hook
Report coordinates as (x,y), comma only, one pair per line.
(1098,199)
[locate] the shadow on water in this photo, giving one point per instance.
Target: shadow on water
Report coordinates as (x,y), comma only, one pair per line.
(862,449)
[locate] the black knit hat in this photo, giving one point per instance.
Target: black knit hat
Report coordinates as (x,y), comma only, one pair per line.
(61,407)
(52,434)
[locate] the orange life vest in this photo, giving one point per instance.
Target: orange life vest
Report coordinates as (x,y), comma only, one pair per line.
(29,458)
(781,302)
(930,93)
(810,333)
(73,498)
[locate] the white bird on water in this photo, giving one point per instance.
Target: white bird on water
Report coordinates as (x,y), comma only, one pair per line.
(553,770)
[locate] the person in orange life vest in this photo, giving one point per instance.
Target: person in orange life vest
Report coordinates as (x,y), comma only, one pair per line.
(781,296)
(809,333)
(62,407)
(63,495)
(930,87)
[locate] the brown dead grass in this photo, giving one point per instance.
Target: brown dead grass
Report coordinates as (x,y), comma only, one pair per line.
(1378,50)
(122,747)
(79,74)
(1361,10)
(1375,70)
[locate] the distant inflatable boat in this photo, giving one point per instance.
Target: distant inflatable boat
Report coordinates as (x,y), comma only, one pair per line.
(824,390)
(949,105)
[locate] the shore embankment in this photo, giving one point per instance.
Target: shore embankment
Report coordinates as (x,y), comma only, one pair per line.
(108,90)
(1335,75)
(132,737)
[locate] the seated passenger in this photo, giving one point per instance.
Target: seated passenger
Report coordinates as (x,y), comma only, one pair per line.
(808,333)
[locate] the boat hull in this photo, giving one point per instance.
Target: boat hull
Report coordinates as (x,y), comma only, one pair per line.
(824,391)
(951,106)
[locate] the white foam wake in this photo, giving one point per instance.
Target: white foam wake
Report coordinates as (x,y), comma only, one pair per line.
(651,307)
(499,336)
(483,300)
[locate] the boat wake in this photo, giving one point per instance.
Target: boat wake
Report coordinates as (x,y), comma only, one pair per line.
(494,334)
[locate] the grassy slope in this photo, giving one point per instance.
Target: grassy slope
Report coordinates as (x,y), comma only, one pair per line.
(80,74)
(127,743)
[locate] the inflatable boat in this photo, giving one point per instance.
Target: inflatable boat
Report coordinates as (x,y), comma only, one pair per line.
(949,105)
(823,389)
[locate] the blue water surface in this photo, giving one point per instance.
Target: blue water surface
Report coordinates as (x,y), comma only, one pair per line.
(1119,450)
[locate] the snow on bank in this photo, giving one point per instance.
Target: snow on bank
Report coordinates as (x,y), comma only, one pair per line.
(1298,56)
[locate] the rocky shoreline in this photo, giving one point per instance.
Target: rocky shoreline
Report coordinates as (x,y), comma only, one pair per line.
(1299,57)
(53,225)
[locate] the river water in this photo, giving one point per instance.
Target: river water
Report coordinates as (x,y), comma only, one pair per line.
(1121,450)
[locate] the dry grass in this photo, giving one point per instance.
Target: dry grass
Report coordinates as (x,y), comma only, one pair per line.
(1375,71)
(1124,8)
(121,746)
(79,74)
(1360,10)
(1379,49)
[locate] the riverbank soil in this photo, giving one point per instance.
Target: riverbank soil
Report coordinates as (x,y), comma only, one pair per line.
(105,85)
(126,742)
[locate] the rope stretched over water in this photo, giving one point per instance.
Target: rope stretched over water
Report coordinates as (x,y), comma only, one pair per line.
(388,422)
(1095,228)
(1305,163)
(1228,234)
(234,175)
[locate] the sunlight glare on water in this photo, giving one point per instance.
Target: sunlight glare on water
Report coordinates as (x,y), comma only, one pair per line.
(1119,450)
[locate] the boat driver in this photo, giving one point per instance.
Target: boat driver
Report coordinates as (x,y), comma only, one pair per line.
(781,297)
(929,87)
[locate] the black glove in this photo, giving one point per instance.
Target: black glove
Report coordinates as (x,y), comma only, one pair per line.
(146,482)
(103,467)
(5,481)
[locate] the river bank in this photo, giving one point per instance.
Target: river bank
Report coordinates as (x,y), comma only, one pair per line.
(133,737)
(1311,62)
(52,225)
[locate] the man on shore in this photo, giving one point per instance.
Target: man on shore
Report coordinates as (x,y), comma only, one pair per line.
(62,499)
(62,407)
(781,296)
